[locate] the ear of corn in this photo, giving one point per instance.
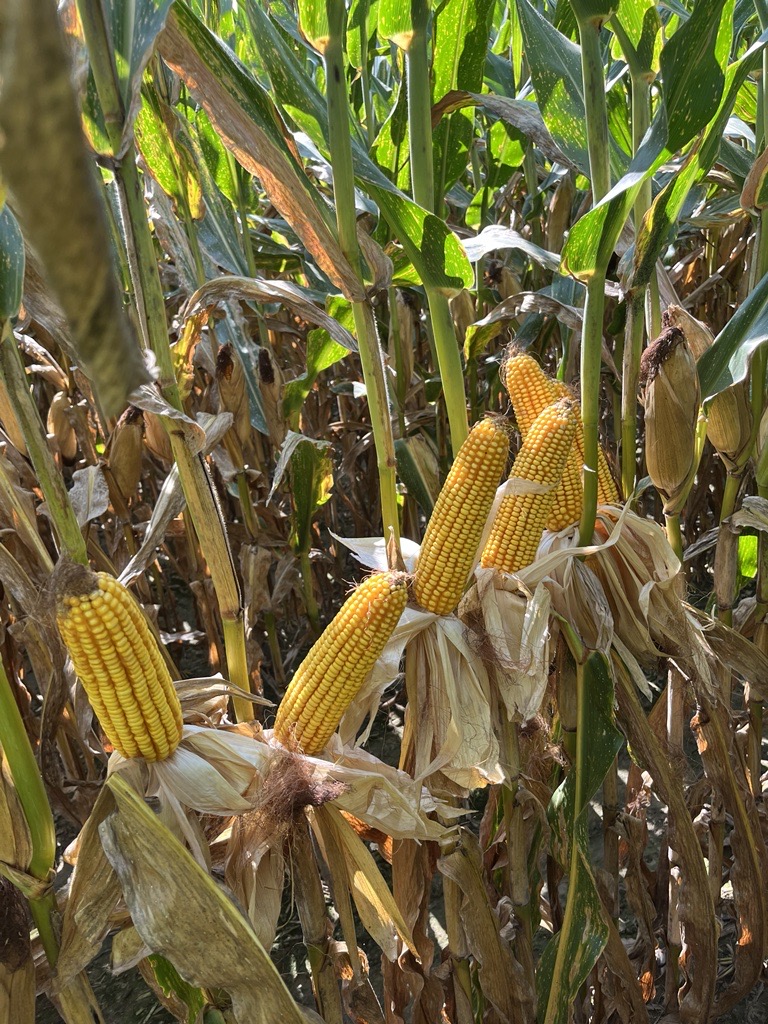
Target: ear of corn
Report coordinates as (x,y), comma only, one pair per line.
(119,663)
(457,520)
(521,519)
(607,492)
(530,389)
(331,675)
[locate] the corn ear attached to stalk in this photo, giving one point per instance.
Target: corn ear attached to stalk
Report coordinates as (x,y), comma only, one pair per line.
(331,675)
(607,491)
(729,414)
(672,396)
(458,518)
(520,521)
(118,661)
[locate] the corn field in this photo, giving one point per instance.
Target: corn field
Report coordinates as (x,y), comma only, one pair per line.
(383,511)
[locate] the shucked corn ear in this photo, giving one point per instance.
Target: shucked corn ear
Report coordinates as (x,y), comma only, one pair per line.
(531,391)
(607,491)
(331,675)
(521,518)
(118,661)
(456,524)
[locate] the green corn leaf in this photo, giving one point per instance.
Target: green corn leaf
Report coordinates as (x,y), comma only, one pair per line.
(11,265)
(322,352)
(311,484)
(245,119)
(171,984)
(313,23)
(135,25)
(727,360)
(429,243)
(748,555)
(461,35)
(418,469)
(555,64)
(395,22)
(572,953)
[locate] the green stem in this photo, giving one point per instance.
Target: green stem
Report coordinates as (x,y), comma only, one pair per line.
(28,782)
(591,355)
(423,189)
(65,525)
(579,769)
(674,536)
(598,139)
(365,326)
(310,602)
(419,108)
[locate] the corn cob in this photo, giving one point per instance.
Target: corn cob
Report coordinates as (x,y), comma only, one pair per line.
(607,492)
(530,389)
(457,520)
(331,675)
(119,663)
(517,529)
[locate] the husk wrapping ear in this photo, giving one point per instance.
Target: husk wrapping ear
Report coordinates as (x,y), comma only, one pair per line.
(672,399)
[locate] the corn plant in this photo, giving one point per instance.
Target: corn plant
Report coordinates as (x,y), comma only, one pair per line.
(472,295)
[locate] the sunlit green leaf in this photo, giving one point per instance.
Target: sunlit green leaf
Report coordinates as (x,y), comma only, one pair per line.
(11,264)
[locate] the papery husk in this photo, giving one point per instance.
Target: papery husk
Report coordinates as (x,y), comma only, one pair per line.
(233,395)
(156,438)
(271,388)
(17,967)
(672,398)
(125,451)
(697,334)
(15,840)
(60,425)
(729,423)
(514,623)
(450,719)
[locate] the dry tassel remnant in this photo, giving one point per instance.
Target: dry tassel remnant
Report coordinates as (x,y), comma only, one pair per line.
(118,661)
(521,518)
(335,669)
(459,516)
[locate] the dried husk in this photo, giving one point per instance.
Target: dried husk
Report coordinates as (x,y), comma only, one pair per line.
(9,420)
(729,424)
(271,387)
(672,399)
(697,334)
(156,438)
(125,451)
(17,967)
(233,396)
(60,425)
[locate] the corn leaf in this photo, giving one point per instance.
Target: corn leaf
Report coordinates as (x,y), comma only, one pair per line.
(431,246)
(727,360)
(461,32)
(11,264)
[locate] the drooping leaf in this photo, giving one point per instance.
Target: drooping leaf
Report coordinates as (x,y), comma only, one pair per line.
(311,483)
(727,360)
(247,123)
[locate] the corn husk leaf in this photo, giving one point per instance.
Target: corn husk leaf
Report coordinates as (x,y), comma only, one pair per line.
(15,840)
(255,872)
(375,904)
(93,896)
(183,915)
(501,977)
(17,966)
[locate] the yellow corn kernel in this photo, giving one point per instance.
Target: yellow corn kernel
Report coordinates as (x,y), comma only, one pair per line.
(330,677)
(607,492)
(518,526)
(530,389)
(119,663)
(456,524)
